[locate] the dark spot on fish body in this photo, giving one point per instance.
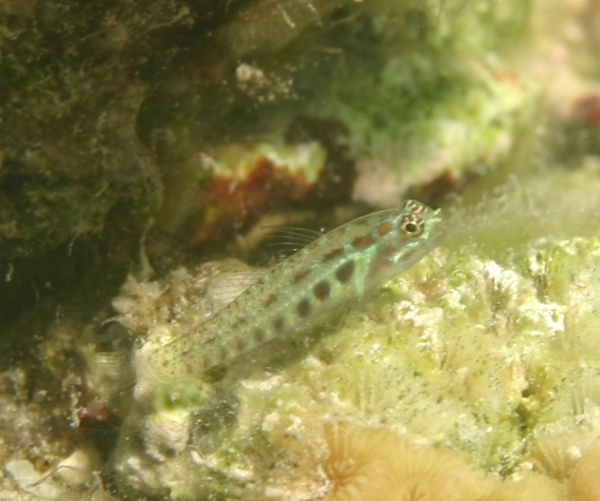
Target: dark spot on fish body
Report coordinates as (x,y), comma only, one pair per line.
(362,242)
(312,246)
(270,300)
(304,308)
(241,344)
(332,254)
(384,258)
(291,260)
(345,272)
(279,325)
(259,336)
(298,277)
(223,353)
(387,253)
(322,290)
(385,228)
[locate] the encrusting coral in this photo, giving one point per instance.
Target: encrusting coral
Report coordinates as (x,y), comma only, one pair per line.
(531,487)
(376,464)
(584,484)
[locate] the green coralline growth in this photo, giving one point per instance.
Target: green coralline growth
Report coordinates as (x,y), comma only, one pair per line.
(430,91)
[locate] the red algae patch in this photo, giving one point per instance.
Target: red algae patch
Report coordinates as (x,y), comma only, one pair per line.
(314,170)
(234,205)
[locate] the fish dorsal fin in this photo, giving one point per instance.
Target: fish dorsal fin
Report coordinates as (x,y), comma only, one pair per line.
(286,240)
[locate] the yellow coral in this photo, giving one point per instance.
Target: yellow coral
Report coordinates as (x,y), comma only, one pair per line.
(531,488)
(377,464)
(585,478)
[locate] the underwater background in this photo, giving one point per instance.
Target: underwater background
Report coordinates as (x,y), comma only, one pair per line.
(150,149)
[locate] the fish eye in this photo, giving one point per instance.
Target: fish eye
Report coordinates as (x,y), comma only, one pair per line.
(411,226)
